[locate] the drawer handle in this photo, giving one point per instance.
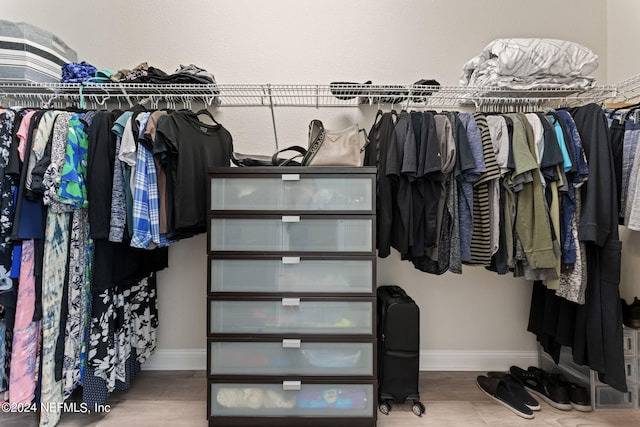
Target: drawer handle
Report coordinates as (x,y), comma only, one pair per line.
(290,302)
(290,343)
(291,260)
(291,218)
(291,177)
(291,385)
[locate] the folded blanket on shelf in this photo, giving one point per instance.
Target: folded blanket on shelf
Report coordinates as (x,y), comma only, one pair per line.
(530,63)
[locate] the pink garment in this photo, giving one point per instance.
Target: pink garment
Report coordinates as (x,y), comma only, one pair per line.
(22,133)
(26,333)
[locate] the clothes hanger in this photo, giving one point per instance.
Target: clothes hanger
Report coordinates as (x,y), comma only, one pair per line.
(378,116)
(627,116)
(406,103)
(625,107)
(205,112)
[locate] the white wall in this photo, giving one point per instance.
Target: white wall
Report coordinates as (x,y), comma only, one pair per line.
(622,39)
(289,41)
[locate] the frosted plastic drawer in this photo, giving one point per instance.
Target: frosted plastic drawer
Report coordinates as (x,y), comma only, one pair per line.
(292,274)
(630,342)
(295,192)
(291,357)
(608,398)
(292,233)
(291,315)
(291,399)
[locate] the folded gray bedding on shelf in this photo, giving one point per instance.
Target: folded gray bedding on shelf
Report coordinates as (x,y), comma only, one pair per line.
(531,63)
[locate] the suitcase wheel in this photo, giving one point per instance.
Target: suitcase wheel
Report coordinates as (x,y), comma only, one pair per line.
(418,408)
(385,407)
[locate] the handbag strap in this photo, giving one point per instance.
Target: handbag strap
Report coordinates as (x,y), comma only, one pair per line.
(275,161)
(364,139)
(316,137)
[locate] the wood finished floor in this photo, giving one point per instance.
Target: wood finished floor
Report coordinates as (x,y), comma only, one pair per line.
(452,399)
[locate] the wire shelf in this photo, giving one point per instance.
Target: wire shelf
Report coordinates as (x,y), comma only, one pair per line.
(628,89)
(334,95)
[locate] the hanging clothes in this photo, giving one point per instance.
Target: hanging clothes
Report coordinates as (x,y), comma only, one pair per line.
(466,181)
(8,294)
(187,148)
(553,179)
(77,309)
(436,259)
(593,330)
(404,169)
(630,195)
(100,170)
(573,281)
(499,133)
(485,186)
(381,152)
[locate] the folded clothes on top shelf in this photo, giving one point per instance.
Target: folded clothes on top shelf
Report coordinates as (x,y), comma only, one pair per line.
(530,63)
(144,73)
(388,94)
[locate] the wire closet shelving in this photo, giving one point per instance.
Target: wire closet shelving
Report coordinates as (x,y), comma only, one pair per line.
(308,95)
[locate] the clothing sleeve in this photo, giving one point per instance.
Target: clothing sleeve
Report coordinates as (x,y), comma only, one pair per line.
(38,171)
(387,181)
(464,157)
(127,153)
(14,164)
(100,170)
(433,161)
(600,216)
(118,217)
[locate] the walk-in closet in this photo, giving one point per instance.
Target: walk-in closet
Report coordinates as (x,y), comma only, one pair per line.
(178,311)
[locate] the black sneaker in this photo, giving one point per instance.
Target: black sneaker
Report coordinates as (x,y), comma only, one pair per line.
(543,385)
(578,394)
(518,388)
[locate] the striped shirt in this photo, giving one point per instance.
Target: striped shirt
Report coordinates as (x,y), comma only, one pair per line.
(481,246)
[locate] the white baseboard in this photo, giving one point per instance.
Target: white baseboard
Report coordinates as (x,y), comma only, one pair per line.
(189,359)
(195,359)
(475,360)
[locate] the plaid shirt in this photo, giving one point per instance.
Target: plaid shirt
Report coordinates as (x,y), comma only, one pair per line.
(146,199)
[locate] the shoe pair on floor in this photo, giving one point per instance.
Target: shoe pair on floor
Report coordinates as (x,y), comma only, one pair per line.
(513,390)
(508,391)
(554,389)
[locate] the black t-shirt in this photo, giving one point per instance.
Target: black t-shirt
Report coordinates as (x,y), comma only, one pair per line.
(382,139)
(188,147)
(405,169)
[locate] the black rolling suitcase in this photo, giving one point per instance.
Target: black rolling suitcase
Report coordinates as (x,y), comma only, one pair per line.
(398,349)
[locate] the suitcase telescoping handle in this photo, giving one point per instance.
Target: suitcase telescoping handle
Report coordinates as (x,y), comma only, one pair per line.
(398,292)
